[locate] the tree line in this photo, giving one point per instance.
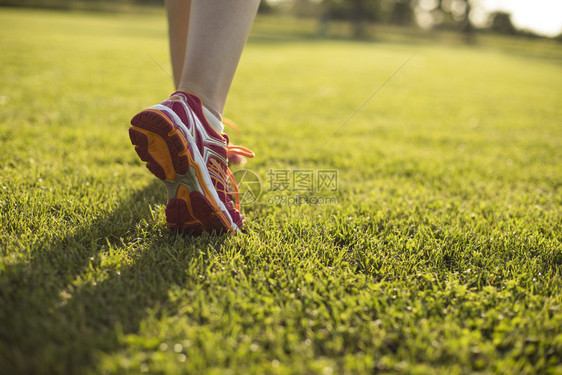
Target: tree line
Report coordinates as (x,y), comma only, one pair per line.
(435,14)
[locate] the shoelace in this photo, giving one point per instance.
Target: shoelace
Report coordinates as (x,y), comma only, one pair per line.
(230,151)
(235,149)
(239,150)
(224,172)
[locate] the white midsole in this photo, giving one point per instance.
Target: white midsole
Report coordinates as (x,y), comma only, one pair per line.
(199,160)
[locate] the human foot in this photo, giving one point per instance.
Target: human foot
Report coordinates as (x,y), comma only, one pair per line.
(181,148)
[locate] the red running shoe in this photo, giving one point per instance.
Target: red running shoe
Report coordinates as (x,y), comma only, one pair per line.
(182,149)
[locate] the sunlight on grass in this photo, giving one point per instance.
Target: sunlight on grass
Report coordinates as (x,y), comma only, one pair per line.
(442,254)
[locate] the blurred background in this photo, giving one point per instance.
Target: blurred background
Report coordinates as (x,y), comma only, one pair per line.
(374,19)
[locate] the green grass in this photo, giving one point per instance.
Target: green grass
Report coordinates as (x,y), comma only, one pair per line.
(442,254)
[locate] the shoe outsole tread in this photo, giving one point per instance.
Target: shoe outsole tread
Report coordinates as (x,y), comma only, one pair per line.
(169,156)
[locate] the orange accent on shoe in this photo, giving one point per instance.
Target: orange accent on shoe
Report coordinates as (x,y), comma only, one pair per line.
(226,175)
(208,194)
(183,194)
(239,150)
(235,186)
(158,149)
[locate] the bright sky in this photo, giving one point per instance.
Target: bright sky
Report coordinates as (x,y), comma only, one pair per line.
(541,16)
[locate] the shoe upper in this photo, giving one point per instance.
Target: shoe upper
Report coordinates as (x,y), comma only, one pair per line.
(212,146)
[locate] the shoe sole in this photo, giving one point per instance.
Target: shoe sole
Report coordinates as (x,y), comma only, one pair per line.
(192,200)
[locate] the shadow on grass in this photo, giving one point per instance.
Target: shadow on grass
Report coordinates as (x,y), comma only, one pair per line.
(50,326)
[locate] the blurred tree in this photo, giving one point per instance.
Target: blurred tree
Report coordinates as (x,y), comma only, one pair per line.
(501,23)
(358,12)
(466,25)
(455,14)
(402,12)
(265,7)
(305,8)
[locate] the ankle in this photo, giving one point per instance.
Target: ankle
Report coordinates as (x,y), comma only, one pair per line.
(213,120)
(206,100)
(213,117)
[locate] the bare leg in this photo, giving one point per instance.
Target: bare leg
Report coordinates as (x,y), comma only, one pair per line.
(218,30)
(206,41)
(178,26)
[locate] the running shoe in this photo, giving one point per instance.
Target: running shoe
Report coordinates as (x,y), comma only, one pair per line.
(179,147)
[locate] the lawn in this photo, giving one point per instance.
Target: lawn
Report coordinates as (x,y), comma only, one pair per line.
(425,236)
